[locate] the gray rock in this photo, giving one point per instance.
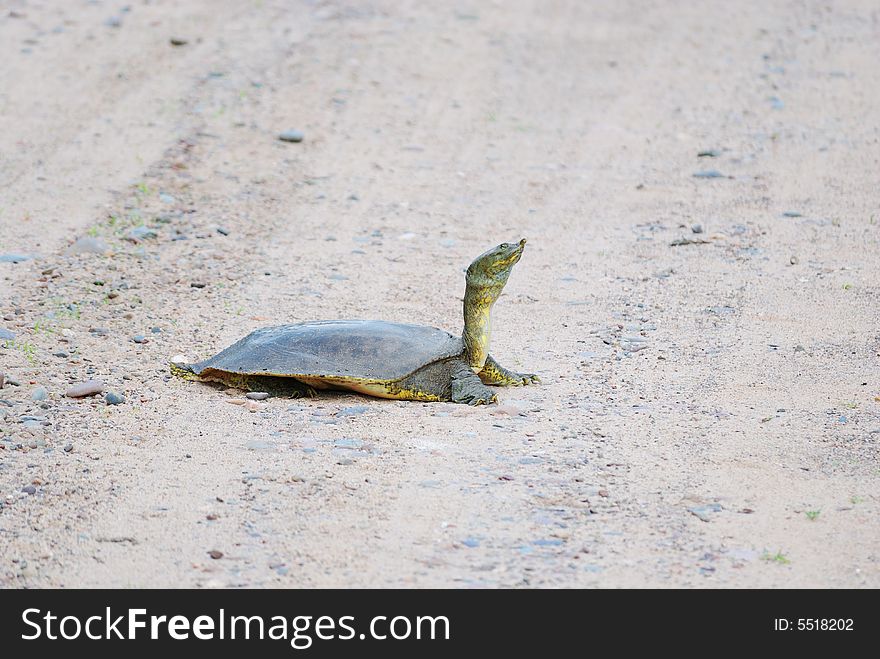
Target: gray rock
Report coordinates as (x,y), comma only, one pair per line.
(39,393)
(140,338)
(14,258)
(708,173)
(88,388)
(112,398)
(178,41)
(137,234)
(697,228)
(791,214)
(709,153)
(87,245)
(6,335)
(29,489)
(353,410)
(256,395)
(704,512)
(291,136)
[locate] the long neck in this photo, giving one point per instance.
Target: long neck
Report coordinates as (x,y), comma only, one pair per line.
(478,301)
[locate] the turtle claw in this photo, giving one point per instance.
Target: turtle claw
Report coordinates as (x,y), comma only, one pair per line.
(530,378)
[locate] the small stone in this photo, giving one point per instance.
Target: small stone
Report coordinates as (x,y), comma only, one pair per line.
(254,406)
(708,173)
(704,512)
(112,398)
(68,448)
(137,234)
(223,231)
(353,410)
(29,489)
(61,354)
(156,330)
(197,284)
(6,335)
(791,214)
(215,554)
(794,260)
(291,136)
(178,41)
(257,395)
(140,338)
(14,258)
(697,228)
(87,245)
(709,153)
(88,388)
(39,393)
(470,542)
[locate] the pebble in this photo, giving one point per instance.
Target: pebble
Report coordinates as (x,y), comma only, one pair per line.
(223,231)
(254,406)
(29,489)
(88,245)
(112,398)
(291,136)
(88,388)
(156,330)
(14,258)
(140,338)
(697,228)
(178,41)
(709,153)
(215,554)
(708,173)
(6,335)
(39,393)
(791,214)
(470,542)
(703,512)
(794,260)
(353,410)
(257,395)
(197,284)
(61,354)
(137,234)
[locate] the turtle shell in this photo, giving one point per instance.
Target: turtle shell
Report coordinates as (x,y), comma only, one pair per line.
(360,349)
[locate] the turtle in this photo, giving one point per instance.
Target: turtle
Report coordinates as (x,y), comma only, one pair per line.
(375,357)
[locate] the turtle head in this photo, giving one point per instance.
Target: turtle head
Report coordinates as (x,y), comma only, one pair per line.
(486,277)
(491,269)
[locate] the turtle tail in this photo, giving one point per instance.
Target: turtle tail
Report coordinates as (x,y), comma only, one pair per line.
(183,370)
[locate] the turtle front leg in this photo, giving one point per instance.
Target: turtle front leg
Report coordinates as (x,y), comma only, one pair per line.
(495,373)
(468,388)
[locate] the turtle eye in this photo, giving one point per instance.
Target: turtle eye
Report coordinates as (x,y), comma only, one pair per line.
(504,245)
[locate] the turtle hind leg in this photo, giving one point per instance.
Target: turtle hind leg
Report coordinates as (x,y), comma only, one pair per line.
(184,371)
(495,373)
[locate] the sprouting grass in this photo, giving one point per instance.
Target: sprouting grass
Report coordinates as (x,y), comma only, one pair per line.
(812,515)
(41,326)
(856,499)
(849,405)
(29,350)
(778,557)
(143,189)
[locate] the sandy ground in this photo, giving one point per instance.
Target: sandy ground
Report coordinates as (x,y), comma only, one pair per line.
(708,414)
